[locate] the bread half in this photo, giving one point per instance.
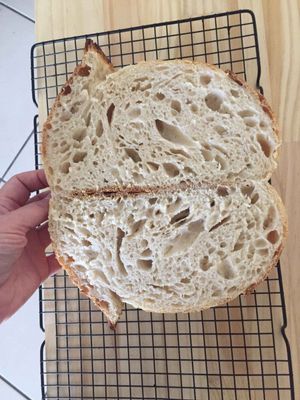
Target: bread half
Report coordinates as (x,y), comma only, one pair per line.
(179,250)
(155,123)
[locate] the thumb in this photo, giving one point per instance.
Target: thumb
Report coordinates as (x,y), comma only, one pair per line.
(32,214)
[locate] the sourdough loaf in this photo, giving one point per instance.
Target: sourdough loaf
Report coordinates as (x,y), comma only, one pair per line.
(159,184)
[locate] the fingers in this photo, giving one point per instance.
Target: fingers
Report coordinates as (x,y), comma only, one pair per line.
(53,264)
(30,215)
(16,191)
(40,196)
(43,235)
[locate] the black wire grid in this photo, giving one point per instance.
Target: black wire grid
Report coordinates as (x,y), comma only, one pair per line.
(236,351)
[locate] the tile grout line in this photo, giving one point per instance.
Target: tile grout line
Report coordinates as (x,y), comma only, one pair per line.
(17,12)
(17,155)
(14,388)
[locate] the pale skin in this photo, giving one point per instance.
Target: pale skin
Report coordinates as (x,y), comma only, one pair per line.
(24,237)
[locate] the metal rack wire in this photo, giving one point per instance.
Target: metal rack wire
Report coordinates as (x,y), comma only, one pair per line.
(236,351)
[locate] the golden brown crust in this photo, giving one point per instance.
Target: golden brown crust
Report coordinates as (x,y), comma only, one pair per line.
(92,46)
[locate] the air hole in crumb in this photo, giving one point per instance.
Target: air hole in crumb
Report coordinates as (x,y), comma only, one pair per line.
(205,264)
(260,243)
(146,253)
(137,226)
(225,270)
(238,246)
(222,222)
(153,165)
(180,216)
(250,121)
(88,119)
(246,113)
(234,92)
(144,243)
(50,170)
(212,203)
(264,144)
(119,262)
(205,79)
(153,200)
(65,167)
(221,161)
(219,129)
(176,105)
(99,128)
(79,134)
(135,112)
(214,99)
(79,156)
(254,198)
(222,191)
(247,190)
(263,252)
(144,264)
(86,242)
(172,133)
(194,108)
(269,221)
(133,154)
(273,237)
(185,281)
(180,152)
(110,113)
(171,169)
(207,155)
(160,96)
(189,170)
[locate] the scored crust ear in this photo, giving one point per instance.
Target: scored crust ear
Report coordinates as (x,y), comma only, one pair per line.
(94,68)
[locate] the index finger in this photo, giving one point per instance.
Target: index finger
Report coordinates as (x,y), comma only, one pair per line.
(17,190)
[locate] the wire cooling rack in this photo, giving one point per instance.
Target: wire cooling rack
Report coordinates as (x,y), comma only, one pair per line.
(236,351)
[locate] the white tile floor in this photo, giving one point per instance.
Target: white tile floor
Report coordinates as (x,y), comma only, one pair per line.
(20,337)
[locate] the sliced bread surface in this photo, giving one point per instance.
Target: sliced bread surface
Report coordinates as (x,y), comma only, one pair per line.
(156,122)
(170,251)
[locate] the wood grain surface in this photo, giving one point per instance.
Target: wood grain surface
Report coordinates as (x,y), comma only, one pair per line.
(278,24)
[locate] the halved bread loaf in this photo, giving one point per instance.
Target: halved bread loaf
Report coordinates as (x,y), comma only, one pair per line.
(177,250)
(159,184)
(155,123)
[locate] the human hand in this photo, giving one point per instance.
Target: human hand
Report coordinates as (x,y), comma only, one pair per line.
(23,263)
